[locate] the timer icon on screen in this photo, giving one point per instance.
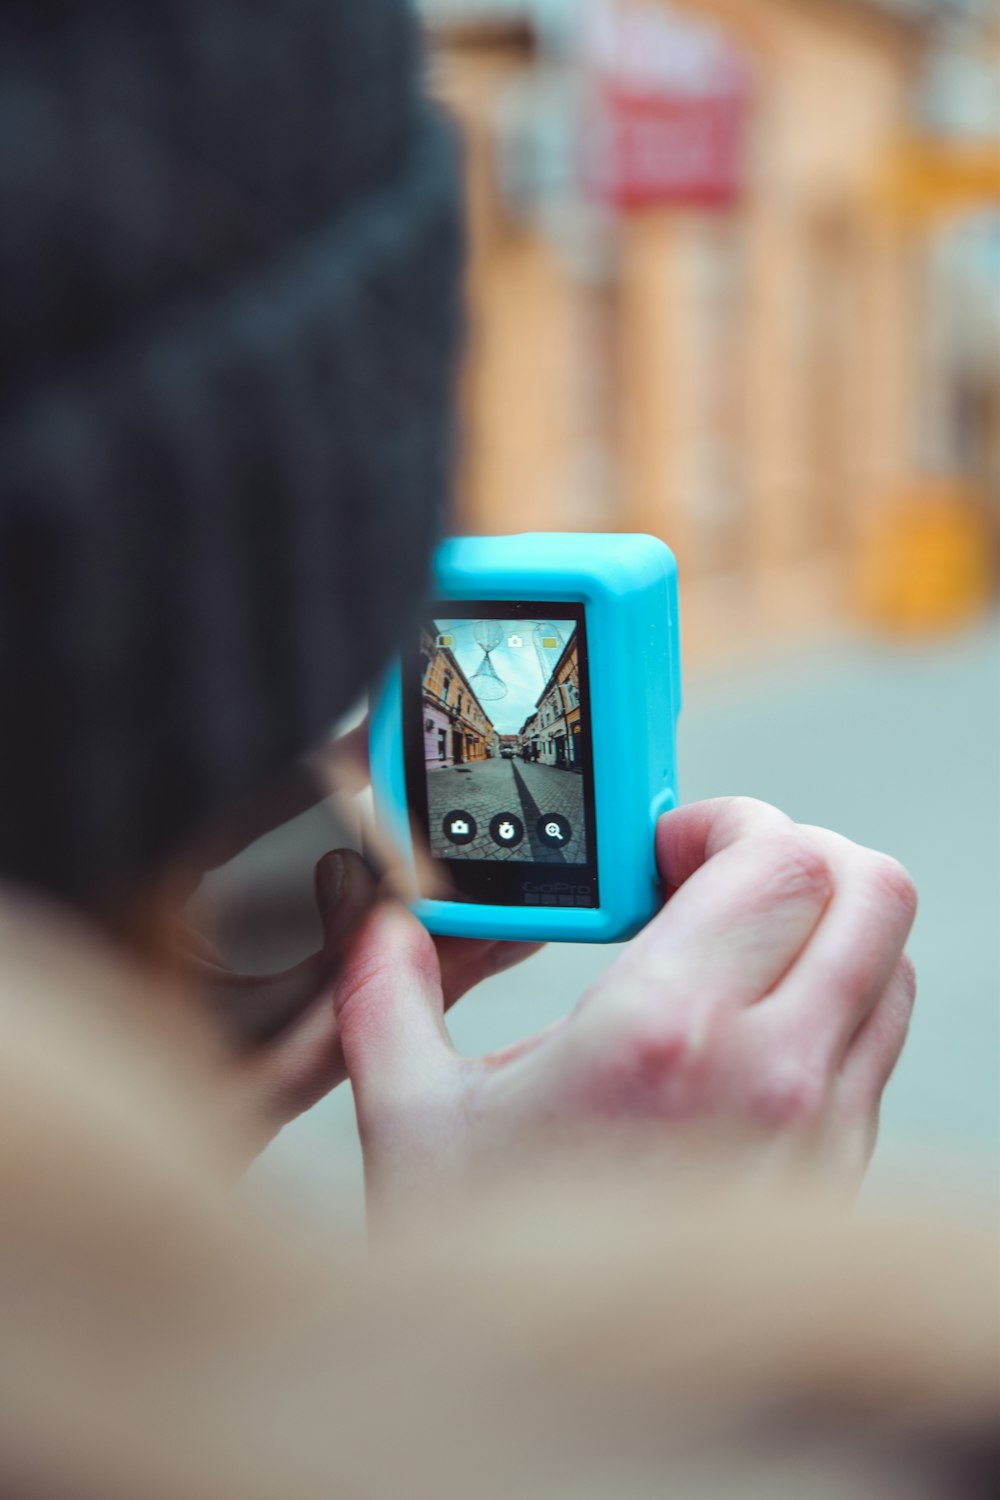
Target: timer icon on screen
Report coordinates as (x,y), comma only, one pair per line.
(506,830)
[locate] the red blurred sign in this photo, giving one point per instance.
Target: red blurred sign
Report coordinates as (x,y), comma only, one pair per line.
(685,151)
(668,123)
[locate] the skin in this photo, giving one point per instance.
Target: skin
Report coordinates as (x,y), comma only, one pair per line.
(617,1325)
(764,1007)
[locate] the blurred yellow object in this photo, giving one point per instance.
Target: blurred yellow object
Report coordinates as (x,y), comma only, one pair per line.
(931,179)
(929,561)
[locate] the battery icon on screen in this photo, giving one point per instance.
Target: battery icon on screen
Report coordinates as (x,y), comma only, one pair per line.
(550,641)
(445,640)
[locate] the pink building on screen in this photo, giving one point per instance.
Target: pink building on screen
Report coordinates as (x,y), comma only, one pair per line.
(437,741)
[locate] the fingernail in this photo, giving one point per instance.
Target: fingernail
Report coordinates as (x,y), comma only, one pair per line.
(345,892)
(330,873)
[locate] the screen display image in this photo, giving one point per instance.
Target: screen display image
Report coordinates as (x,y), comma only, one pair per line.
(499,759)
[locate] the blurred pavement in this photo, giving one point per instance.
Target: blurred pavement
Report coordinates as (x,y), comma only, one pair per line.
(896,746)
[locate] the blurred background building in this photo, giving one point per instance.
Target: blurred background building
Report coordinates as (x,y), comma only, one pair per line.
(735,280)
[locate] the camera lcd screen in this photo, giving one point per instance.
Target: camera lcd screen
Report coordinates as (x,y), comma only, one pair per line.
(499,761)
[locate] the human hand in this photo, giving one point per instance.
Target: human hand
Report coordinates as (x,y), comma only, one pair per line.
(271,1083)
(766,1005)
(279,1031)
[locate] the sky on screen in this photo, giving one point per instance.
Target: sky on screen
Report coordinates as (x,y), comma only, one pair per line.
(516,666)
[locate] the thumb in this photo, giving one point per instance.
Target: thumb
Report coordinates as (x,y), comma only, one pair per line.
(259,1010)
(390,1012)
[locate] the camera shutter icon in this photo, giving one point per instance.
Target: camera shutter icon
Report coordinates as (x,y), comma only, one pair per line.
(459,826)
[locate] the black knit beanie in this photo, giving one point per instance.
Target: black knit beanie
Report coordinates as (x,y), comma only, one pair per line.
(229,266)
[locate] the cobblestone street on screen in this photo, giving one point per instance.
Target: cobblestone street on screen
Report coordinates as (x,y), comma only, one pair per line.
(504,740)
(528,790)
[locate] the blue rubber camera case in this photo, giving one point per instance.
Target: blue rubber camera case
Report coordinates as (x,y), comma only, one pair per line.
(627,587)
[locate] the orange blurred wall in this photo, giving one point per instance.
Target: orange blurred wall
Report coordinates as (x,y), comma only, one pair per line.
(739,380)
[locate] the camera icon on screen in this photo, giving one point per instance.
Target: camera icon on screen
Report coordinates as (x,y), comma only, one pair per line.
(459,827)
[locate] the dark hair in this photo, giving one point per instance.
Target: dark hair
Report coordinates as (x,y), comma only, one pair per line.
(230,248)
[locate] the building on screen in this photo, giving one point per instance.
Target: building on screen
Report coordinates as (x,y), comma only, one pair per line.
(456,729)
(551,734)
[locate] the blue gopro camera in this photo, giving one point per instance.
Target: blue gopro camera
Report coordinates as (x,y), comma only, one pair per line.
(523,747)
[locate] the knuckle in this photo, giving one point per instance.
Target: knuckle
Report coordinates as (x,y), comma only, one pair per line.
(733,818)
(352,991)
(741,807)
(657,1050)
(379,962)
(737,815)
(849,981)
(796,868)
(790,1096)
(894,885)
(654,1057)
(908,978)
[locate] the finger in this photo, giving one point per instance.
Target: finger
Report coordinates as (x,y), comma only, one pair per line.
(290,1075)
(353,746)
(390,1009)
(849,961)
(300,1064)
(725,938)
(466,962)
(344,763)
(255,1009)
(846,1134)
(689,836)
(188,943)
(876,1047)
